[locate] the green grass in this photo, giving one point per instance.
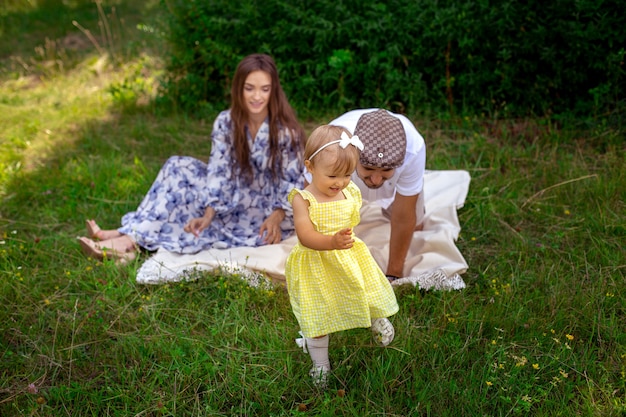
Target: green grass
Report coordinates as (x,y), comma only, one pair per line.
(540,329)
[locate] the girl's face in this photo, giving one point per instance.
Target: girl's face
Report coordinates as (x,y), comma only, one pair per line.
(327,184)
(256,93)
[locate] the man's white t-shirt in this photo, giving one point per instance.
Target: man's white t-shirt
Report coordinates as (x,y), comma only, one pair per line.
(408,178)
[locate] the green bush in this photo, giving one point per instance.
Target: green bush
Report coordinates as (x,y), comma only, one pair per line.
(510,59)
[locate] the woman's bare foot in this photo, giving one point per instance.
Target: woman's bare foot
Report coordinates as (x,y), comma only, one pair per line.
(121,249)
(95,232)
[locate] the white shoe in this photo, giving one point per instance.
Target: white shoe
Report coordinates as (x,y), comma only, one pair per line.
(319,374)
(383,331)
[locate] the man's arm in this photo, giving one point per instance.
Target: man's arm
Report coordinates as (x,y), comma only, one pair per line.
(403,222)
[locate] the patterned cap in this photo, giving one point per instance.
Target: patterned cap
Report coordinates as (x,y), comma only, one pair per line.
(384,139)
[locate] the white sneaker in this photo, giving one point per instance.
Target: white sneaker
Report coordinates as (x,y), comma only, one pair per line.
(319,374)
(383,331)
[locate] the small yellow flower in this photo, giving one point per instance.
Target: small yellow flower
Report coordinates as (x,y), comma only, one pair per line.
(473,238)
(46,302)
(493,342)
(552,331)
(535,366)
(489,383)
(567,212)
(569,337)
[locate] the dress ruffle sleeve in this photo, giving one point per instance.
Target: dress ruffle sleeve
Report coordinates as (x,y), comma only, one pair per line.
(221,192)
(355,193)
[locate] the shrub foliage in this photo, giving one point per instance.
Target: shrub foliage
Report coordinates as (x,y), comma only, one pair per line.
(506,58)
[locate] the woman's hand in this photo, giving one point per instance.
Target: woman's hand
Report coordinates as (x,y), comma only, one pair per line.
(343,239)
(270,228)
(196,225)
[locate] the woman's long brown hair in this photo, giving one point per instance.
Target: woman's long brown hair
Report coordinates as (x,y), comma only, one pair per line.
(281,115)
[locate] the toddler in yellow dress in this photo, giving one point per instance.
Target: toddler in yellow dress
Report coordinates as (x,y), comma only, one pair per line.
(333,281)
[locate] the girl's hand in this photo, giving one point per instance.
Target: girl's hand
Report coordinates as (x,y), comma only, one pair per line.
(343,239)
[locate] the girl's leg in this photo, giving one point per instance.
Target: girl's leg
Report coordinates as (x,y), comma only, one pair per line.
(318,350)
(383,331)
(95,232)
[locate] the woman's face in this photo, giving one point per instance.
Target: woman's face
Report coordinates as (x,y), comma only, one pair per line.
(256,92)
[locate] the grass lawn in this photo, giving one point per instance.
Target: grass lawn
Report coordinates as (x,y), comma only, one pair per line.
(540,329)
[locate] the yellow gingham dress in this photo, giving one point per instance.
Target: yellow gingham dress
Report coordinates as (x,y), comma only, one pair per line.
(336,290)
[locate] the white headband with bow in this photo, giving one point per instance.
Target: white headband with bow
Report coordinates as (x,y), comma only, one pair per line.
(343,142)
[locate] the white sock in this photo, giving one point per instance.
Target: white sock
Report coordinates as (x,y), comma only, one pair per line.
(318,349)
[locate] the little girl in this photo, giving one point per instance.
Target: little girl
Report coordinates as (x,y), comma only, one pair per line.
(333,281)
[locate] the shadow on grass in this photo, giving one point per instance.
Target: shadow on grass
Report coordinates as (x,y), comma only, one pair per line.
(57,35)
(94,163)
(41,43)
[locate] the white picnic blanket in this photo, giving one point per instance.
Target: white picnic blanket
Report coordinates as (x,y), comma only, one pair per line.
(433,262)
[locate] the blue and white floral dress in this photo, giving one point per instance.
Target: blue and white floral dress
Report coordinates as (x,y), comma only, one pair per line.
(185,186)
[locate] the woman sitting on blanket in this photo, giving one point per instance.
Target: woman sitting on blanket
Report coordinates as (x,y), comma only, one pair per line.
(239,198)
